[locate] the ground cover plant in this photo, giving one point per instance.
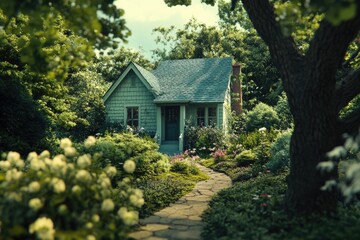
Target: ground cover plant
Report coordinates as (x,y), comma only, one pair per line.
(253,210)
(167,187)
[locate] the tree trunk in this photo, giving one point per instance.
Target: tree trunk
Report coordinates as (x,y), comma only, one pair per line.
(315,134)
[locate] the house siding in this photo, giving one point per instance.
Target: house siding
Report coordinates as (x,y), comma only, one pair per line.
(132,92)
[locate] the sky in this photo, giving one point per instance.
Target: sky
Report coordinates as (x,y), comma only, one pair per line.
(142,16)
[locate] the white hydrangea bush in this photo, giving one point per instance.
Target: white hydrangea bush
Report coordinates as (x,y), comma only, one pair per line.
(349,185)
(65,197)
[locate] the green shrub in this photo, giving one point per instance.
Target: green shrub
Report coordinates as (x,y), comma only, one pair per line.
(23,125)
(252,140)
(283,111)
(280,153)
(204,139)
(160,192)
(253,210)
(245,158)
(67,197)
(115,149)
(151,163)
(184,167)
(261,116)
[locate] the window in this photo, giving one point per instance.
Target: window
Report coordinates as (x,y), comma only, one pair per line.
(212,116)
(132,117)
(201,116)
(206,116)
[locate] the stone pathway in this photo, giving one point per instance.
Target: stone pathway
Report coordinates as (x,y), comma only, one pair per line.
(182,219)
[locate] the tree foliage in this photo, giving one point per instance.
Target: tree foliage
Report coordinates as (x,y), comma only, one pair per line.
(111,65)
(47,50)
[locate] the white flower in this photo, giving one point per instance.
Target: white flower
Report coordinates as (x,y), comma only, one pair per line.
(69,151)
(90,141)
(129,166)
(58,164)
(13,157)
(337,152)
(136,200)
(37,164)
(5,165)
(76,189)
(65,143)
(326,166)
(129,217)
(13,175)
(104,181)
(58,185)
(89,225)
(35,204)
(62,209)
(83,176)
(43,228)
(84,161)
(90,237)
(45,154)
(31,156)
(34,187)
(263,129)
(107,205)
(110,171)
(95,218)
(14,196)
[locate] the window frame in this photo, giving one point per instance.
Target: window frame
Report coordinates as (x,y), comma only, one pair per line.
(132,119)
(207,119)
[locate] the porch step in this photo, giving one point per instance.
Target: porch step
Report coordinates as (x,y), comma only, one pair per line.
(170,148)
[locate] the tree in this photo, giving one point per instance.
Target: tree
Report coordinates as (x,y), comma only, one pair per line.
(315,94)
(111,65)
(47,47)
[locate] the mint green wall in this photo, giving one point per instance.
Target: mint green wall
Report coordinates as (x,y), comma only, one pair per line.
(132,92)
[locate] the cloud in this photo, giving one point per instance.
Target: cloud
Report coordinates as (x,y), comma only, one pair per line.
(157,11)
(142,16)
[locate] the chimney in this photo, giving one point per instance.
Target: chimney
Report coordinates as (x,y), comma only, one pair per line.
(236,90)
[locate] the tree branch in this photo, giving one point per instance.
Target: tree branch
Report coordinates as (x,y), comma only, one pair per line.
(347,89)
(329,45)
(352,57)
(282,48)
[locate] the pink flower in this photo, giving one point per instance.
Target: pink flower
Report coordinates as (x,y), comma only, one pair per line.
(264,205)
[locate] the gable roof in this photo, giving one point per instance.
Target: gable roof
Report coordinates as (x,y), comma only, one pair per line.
(202,80)
(146,77)
(193,80)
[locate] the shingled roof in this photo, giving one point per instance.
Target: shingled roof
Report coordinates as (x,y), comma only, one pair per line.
(189,80)
(193,80)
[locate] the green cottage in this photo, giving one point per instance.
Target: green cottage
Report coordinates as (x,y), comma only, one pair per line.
(160,101)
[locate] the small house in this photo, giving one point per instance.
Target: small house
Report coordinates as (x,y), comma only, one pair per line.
(163,100)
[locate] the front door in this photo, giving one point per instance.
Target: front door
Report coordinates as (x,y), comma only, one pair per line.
(172,123)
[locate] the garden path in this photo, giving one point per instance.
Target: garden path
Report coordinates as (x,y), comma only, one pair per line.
(182,219)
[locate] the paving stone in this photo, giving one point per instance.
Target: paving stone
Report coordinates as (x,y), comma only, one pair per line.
(179,227)
(154,238)
(186,222)
(154,227)
(140,234)
(182,219)
(151,219)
